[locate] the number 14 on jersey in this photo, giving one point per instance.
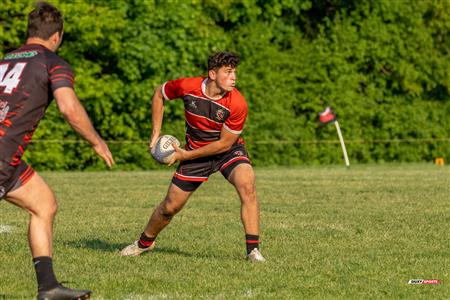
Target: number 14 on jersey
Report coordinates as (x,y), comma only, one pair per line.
(10,80)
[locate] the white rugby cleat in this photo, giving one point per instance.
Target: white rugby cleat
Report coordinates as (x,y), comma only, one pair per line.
(135,250)
(255,256)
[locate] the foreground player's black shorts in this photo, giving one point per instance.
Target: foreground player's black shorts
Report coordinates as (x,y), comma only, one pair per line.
(13,177)
(191,173)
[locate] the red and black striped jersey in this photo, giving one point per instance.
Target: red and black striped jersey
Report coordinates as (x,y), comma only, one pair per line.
(28,78)
(205,117)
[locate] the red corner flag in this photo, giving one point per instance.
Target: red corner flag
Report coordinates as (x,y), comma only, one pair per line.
(327,116)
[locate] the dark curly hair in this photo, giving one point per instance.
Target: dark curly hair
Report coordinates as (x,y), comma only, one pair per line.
(44,21)
(220,59)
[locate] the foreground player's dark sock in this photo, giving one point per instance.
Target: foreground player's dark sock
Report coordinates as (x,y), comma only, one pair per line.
(44,272)
(252,242)
(145,241)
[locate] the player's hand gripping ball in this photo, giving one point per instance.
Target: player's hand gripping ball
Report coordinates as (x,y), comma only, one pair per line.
(163,150)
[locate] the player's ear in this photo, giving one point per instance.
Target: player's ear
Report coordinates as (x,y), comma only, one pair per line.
(55,40)
(212,74)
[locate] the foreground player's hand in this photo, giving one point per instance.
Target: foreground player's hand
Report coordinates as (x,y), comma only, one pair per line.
(102,150)
(179,155)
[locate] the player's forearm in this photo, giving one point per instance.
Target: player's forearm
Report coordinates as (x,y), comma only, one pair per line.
(157,111)
(80,122)
(76,115)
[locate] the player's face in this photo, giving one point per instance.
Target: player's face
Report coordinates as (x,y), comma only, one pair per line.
(226,78)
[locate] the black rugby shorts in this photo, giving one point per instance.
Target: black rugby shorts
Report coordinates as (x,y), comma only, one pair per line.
(12,177)
(191,173)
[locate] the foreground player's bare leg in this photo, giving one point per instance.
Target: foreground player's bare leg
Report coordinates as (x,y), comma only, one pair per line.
(243,179)
(174,201)
(38,199)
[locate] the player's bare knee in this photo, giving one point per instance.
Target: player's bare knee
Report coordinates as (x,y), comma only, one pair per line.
(247,195)
(53,209)
(46,211)
(248,190)
(167,212)
(52,205)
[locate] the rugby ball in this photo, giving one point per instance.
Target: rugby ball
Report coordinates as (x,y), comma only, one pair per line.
(163,150)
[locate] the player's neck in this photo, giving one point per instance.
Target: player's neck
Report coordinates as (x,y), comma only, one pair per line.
(212,90)
(39,41)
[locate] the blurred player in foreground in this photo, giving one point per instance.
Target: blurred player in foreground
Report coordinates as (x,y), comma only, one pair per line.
(29,79)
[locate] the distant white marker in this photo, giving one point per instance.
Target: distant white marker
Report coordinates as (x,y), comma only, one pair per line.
(6,228)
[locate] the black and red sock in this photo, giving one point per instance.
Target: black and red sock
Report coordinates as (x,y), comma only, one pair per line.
(44,272)
(145,241)
(252,242)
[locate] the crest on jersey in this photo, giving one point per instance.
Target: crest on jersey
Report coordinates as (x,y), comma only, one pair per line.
(220,114)
(2,191)
(4,108)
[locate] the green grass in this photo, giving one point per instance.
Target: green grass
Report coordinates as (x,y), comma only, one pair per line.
(327,232)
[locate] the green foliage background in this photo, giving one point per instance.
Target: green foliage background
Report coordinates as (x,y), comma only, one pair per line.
(384,66)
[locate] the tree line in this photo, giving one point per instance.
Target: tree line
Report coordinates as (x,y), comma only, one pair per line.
(383,65)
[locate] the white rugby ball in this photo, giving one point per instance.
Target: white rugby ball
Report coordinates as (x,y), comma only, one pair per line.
(163,150)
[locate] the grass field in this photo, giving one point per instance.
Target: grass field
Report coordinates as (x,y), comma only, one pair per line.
(327,232)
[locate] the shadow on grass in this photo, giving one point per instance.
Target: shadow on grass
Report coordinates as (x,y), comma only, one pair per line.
(105,246)
(96,244)
(173,251)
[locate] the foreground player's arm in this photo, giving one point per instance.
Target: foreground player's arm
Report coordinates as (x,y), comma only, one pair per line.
(157,115)
(226,141)
(77,117)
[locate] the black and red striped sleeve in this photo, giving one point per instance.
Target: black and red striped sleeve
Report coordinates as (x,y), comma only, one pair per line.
(60,74)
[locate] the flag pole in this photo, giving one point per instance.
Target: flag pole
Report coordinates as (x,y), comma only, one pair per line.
(341,139)
(328,116)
